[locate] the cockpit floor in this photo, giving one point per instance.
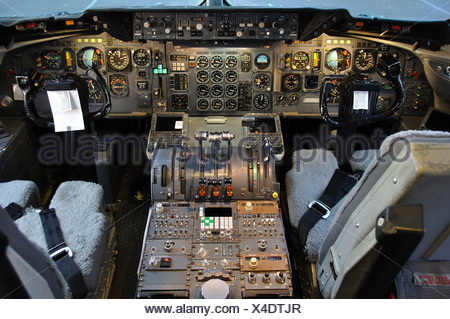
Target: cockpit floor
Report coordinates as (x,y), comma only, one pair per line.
(130,225)
(130,217)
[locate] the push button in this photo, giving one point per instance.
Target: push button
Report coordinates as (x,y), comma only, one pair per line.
(166,262)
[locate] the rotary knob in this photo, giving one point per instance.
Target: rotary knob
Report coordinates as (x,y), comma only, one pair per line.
(248,207)
(253,263)
(202,252)
(167,30)
(159,208)
(168,246)
(226,25)
(199,26)
(262,245)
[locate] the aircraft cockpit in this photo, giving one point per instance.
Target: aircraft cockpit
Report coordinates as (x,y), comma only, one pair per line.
(225,150)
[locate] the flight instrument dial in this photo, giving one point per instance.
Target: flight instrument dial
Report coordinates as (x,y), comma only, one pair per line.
(118,59)
(364,60)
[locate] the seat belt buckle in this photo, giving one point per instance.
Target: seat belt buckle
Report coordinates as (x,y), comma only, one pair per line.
(320,207)
(355,176)
(58,252)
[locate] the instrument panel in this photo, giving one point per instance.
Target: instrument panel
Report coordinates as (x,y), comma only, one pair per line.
(231,78)
(215,25)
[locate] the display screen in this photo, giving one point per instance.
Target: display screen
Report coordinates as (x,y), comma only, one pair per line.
(218,212)
(178,58)
(262,58)
(168,124)
(264,125)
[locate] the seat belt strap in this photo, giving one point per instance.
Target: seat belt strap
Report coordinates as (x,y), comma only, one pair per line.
(340,184)
(61,254)
(15,211)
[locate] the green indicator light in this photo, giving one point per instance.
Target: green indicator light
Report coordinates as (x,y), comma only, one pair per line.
(155,71)
(164,71)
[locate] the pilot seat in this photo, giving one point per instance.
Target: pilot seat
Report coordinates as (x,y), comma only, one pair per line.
(86,229)
(391,229)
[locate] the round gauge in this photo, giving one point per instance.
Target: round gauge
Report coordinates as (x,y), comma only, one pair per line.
(231,76)
(231,61)
(364,60)
(202,76)
(231,90)
(281,98)
(118,84)
(90,57)
(6,101)
(230,104)
(217,76)
(311,82)
(216,104)
(294,98)
(118,59)
(262,81)
(291,82)
(217,90)
(262,61)
(261,101)
(141,57)
(202,61)
(216,61)
(95,93)
(51,60)
(338,59)
(202,104)
(202,90)
(300,60)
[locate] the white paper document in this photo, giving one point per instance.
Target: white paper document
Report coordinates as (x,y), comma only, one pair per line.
(179,125)
(360,100)
(66,110)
